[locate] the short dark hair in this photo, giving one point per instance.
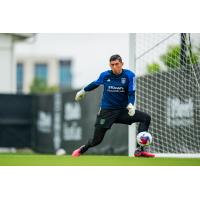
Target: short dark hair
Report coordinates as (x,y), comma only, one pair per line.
(115,57)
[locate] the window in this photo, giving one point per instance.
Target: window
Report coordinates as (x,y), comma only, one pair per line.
(41,71)
(65,76)
(20,77)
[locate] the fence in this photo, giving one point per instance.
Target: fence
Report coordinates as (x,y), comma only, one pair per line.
(60,122)
(48,122)
(15,120)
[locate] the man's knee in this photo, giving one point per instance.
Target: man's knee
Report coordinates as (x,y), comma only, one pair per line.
(148,118)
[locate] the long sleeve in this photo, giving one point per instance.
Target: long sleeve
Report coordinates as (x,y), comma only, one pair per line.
(131,97)
(131,88)
(93,85)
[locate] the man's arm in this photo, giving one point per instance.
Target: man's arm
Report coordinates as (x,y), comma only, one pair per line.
(93,85)
(131,94)
(131,97)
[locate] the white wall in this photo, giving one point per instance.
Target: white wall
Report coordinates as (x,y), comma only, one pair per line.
(7,68)
(89,52)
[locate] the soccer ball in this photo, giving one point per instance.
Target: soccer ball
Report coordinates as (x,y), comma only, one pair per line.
(144,138)
(60,152)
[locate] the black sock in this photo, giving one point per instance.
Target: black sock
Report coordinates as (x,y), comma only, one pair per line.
(99,134)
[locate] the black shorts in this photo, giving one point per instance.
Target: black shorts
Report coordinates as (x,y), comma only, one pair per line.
(107,117)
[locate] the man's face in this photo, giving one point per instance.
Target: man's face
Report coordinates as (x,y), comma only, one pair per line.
(116,66)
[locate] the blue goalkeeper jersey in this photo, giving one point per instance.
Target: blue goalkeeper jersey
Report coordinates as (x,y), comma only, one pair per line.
(119,90)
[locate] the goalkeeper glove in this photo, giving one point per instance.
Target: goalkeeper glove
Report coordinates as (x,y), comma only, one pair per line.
(131,109)
(80,95)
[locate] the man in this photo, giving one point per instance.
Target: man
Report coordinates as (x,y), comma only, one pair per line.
(117,105)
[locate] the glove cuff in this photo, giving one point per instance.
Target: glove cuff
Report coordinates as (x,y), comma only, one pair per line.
(82,91)
(130,105)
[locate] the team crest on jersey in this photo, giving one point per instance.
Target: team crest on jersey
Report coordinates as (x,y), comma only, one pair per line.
(123,80)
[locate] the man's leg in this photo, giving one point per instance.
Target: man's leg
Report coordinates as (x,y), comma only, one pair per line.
(143,118)
(99,134)
(144,122)
(104,121)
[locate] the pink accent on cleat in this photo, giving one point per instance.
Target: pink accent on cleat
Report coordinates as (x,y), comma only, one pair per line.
(76,153)
(147,154)
(138,154)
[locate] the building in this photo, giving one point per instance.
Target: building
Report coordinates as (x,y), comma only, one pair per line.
(53,71)
(7,60)
(87,56)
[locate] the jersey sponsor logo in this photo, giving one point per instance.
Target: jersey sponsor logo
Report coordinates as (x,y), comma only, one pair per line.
(108,80)
(115,89)
(123,80)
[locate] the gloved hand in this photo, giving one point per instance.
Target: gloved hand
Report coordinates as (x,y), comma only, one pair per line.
(80,95)
(131,109)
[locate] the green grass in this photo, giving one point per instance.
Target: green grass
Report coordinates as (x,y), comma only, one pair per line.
(52,160)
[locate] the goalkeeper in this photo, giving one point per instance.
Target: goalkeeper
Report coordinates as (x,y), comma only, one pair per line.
(117,105)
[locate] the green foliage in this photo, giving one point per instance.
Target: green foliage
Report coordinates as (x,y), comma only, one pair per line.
(152,68)
(39,86)
(194,59)
(172,57)
(172,60)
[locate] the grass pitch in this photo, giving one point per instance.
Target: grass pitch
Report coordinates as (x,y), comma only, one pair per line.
(91,160)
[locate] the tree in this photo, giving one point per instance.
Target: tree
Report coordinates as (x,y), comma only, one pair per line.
(153,67)
(39,86)
(172,57)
